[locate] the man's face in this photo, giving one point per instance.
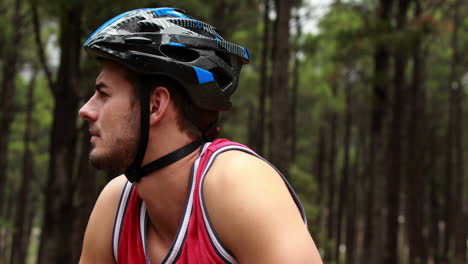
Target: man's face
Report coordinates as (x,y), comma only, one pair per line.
(114,119)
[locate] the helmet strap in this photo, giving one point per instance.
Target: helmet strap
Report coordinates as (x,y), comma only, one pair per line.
(144,91)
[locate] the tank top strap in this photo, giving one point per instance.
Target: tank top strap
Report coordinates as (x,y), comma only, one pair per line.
(127,240)
(119,216)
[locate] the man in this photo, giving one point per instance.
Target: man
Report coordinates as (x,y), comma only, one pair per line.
(184,198)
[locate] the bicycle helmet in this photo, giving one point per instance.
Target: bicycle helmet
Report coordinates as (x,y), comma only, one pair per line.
(167,42)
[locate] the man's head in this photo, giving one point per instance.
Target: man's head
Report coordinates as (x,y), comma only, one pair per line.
(163,48)
(113,114)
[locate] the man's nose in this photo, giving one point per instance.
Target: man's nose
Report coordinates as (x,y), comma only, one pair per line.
(87,111)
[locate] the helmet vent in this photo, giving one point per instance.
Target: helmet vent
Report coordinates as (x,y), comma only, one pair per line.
(222,78)
(225,57)
(148,26)
(138,40)
(179,53)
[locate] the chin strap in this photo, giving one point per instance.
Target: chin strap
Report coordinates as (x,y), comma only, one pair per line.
(135,174)
(132,172)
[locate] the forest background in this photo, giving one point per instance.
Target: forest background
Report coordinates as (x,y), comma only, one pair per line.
(363,107)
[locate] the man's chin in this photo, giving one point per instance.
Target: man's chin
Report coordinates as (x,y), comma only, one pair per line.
(105,162)
(97,162)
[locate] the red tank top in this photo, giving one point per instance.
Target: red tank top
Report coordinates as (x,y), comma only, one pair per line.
(196,241)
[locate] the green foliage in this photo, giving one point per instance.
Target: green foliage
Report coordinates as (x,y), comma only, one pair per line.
(42,120)
(339,57)
(6,224)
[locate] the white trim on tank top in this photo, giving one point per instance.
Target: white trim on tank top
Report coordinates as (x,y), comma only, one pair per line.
(119,218)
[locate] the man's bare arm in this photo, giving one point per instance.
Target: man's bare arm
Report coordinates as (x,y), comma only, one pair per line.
(254,214)
(97,243)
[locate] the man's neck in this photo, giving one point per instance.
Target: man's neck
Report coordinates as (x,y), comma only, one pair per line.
(165,194)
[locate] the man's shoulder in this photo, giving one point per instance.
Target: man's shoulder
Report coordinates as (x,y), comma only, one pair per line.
(98,236)
(110,195)
(249,205)
(108,201)
(236,158)
(114,187)
(240,170)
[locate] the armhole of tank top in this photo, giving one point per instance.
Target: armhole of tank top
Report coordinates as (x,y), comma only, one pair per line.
(216,242)
(119,217)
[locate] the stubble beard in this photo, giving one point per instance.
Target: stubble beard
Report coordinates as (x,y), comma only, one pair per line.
(121,150)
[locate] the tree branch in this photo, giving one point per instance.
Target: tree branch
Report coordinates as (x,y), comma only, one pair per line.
(40,46)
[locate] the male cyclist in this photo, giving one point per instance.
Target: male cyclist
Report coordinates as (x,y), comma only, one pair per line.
(185,196)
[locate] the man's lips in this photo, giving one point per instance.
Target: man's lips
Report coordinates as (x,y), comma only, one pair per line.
(94,132)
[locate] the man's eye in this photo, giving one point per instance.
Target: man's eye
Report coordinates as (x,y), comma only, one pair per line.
(103,94)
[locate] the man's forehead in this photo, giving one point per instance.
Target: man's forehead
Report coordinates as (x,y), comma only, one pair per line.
(111,71)
(100,76)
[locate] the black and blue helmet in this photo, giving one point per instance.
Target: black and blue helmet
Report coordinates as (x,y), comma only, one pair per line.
(166,41)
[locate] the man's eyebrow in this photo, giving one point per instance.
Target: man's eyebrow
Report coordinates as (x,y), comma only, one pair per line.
(100,86)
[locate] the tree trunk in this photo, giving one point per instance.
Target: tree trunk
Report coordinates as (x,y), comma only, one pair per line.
(57,226)
(449,207)
(460,237)
(86,184)
(360,176)
(331,163)
(223,16)
(10,53)
(318,170)
(19,249)
(7,93)
(320,159)
(262,96)
(395,142)
(353,208)
(30,217)
(375,216)
(279,98)
(435,232)
(345,191)
(251,132)
(460,207)
(2,37)
(451,141)
(415,181)
(9,213)
(295,88)
(217,15)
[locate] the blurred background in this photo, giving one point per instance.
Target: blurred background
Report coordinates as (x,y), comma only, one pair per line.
(361,103)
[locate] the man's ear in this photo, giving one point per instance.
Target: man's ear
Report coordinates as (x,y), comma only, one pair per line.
(159,104)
